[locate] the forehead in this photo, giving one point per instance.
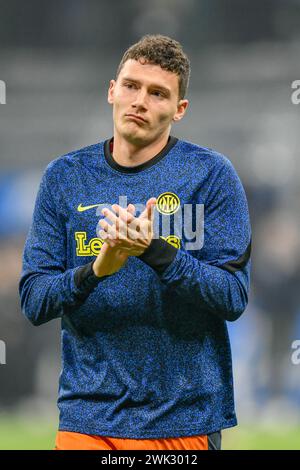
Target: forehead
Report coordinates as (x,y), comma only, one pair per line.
(150,74)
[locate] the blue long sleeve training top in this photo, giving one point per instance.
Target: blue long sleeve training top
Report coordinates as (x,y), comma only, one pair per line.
(145,351)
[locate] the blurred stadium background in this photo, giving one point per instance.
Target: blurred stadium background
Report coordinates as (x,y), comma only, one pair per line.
(56,59)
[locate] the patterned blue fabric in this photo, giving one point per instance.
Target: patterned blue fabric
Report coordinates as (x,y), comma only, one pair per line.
(145,354)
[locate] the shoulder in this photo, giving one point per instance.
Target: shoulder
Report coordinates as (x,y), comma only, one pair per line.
(67,161)
(210,158)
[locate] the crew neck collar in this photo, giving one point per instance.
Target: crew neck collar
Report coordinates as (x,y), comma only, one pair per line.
(137,168)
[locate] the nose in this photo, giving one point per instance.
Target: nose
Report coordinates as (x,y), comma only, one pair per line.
(140,101)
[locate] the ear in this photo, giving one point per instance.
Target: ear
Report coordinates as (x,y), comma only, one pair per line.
(181,109)
(110,95)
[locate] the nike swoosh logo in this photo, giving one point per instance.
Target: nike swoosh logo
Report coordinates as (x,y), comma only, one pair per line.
(82,208)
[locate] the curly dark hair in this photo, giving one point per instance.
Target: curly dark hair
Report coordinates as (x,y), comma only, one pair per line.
(164,51)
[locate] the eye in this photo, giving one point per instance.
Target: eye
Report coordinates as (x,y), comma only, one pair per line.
(129,85)
(157,93)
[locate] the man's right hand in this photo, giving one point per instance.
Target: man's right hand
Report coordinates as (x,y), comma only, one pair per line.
(109,261)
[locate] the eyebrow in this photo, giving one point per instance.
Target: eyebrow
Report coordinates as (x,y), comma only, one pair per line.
(152,85)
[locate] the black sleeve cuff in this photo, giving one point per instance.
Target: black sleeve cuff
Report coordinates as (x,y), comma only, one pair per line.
(85,278)
(159,255)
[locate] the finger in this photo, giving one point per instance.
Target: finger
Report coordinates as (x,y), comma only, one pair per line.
(116,221)
(124,214)
(148,213)
(111,231)
(151,208)
(125,233)
(109,215)
(131,209)
(104,236)
(111,242)
(123,239)
(138,236)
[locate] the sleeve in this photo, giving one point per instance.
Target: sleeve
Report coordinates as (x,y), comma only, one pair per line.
(218,279)
(47,290)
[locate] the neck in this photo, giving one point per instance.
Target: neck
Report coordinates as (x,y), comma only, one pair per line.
(127,154)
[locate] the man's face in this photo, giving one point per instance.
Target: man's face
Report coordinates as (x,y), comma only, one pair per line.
(145,102)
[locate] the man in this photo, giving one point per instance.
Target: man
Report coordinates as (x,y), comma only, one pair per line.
(145,349)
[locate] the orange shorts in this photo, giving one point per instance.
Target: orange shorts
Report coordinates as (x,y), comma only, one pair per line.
(76,441)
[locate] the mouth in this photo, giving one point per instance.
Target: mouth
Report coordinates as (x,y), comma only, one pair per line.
(135,117)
